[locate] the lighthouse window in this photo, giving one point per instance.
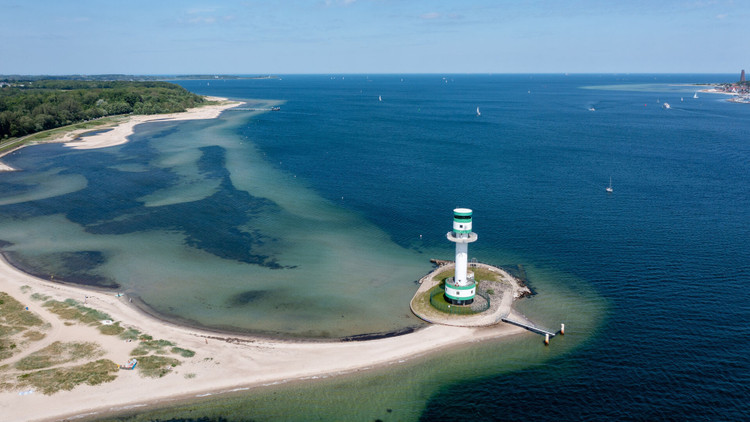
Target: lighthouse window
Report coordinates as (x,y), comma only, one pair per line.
(462,217)
(460,226)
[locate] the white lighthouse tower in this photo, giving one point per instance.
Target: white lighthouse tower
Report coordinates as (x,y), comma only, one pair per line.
(461,289)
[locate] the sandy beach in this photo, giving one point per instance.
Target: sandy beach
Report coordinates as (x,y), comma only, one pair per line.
(118,134)
(221,363)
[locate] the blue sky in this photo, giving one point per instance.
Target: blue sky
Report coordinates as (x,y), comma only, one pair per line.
(373,36)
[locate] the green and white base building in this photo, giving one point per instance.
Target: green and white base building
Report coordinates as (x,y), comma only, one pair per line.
(461,289)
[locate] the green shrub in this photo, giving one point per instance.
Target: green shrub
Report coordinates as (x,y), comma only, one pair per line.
(183,352)
(156,366)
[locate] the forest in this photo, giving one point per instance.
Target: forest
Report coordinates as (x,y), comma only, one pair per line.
(27,107)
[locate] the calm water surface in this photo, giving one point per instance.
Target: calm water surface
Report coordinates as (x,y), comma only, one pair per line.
(316,220)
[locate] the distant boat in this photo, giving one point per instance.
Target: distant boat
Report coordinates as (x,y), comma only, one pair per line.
(275,108)
(592,109)
(667,106)
(478,113)
(380,98)
(657,101)
(609,188)
(695,95)
(682,99)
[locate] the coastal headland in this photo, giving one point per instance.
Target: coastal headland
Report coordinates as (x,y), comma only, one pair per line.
(62,355)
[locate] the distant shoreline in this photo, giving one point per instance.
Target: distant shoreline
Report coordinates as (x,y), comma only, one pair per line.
(118,133)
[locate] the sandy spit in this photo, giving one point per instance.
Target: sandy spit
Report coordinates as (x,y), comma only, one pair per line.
(222,362)
(119,133)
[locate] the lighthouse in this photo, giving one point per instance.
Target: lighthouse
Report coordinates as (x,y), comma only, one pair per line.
(461,289)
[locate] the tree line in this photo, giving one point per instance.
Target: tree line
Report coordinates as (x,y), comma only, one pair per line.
(32,106)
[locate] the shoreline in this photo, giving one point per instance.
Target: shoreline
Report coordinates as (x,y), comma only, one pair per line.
(117,134)
(222,363)
(177,321)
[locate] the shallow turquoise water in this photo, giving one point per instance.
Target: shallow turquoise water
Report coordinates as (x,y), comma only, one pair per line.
(223,221)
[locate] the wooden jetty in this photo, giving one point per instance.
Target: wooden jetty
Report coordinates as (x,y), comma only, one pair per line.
(529,326)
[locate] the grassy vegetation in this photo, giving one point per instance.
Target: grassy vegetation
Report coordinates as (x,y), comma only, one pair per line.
(156,366)
(14,319)
(60,131)
(13,312)
(33,335)
(421,303)
(46,104)
(25,289)
(130,334)
(58,353)
(438,302)
(72,310)
(50,381)
(148,346)
(112,329)
(445,274)
(183,352)
(480,274)
(39,297)
(484,274)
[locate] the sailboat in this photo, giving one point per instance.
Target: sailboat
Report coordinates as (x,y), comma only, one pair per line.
(380,98)
(609,188)
(695,95)
(478,113)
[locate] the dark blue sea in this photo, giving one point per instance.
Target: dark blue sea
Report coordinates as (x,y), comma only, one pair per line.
(655,274)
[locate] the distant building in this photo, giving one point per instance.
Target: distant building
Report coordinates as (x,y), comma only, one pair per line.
(742,76)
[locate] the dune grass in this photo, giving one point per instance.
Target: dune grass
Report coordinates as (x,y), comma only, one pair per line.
(155,366)
(183,352)
(147,346)
(130,334)
(112,329)
(50,381)
(14,319)
(58,353)
(73,310)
